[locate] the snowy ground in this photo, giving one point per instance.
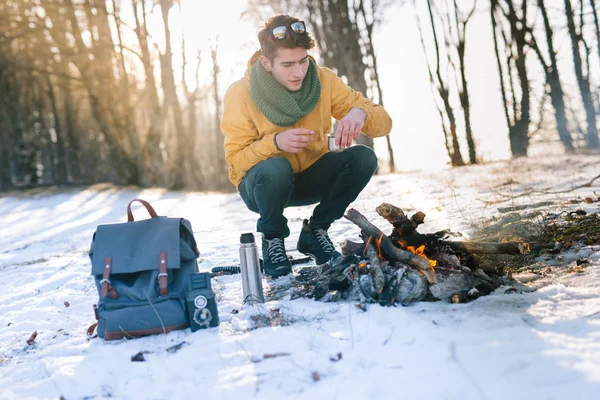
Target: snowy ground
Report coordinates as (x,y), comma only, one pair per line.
(539,345)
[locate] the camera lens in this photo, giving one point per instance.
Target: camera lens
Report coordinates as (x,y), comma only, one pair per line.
(203,317)
(200,301)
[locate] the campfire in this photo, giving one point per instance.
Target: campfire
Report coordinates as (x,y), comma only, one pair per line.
(403,267)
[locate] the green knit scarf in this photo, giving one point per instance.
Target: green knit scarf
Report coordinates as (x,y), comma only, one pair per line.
(281,106)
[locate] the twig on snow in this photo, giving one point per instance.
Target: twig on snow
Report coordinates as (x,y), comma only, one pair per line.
(466,373)
(530,192)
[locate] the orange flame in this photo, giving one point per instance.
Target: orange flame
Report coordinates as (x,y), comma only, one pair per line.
(420,251)
(378,244)
(367,245)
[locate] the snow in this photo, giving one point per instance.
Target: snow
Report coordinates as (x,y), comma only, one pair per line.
(539,345)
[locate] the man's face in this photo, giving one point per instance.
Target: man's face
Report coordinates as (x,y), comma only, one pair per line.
(289,67)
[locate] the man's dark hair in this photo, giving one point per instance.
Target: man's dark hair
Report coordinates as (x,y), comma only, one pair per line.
(269,44)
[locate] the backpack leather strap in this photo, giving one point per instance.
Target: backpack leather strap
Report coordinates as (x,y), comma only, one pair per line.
(145,204)
(162,273)
(91,329)
(107,287)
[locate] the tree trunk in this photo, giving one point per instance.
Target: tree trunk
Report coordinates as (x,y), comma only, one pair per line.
(464,92)
(433,86)
(121,57)
(455,157)
(195,171)
(73,154)
(370,47)
(60,162)
(219,139)
(596,24)
(553,79)
(178,163)
(582,81)
(340,42)
(7,149)
(151,148)
(519,134)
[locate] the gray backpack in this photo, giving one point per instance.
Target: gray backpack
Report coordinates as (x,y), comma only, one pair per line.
(142,271)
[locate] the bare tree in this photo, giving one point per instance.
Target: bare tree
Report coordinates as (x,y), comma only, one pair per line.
(178,164)
(583,80)
(195,171)
(60,161)
(440,85)
(514,47)
(553,79)
(461,21)
(370,19)
(220,166)
(596,24)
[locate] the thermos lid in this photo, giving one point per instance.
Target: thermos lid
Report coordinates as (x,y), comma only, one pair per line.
(247,238)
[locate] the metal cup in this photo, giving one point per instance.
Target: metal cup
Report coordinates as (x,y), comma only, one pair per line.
(331,144)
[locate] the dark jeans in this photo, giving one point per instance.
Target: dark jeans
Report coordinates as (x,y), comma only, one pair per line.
(334,181)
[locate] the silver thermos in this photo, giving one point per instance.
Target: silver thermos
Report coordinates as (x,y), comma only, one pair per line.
(250,267)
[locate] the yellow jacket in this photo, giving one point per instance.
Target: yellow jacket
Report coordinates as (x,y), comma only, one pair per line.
(249,135)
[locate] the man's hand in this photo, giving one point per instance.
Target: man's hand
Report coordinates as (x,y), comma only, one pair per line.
(349,127)
(294,140)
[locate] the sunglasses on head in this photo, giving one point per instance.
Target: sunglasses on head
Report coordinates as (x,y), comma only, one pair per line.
(296,27)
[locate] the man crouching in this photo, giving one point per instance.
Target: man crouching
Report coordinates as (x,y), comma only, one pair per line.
(276,122)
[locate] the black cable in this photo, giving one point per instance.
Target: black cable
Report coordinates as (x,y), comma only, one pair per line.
(235,269)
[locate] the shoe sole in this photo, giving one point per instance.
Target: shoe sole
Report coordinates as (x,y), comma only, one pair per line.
(299,248)
(279,272)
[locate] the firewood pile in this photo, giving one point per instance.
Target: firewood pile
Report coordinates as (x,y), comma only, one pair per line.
(402,267)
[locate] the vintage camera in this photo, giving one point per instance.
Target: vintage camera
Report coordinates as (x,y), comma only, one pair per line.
(201,303)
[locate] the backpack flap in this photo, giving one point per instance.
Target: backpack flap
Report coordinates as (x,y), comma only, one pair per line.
(136,246)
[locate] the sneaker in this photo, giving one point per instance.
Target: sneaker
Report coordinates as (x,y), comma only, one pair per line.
(275,261)
(316,244)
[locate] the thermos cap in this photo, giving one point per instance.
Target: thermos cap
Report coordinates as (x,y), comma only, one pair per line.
(247,238)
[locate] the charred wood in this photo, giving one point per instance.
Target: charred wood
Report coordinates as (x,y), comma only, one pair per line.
(375,268)
(388,247)
(464,296)
(350,247)
(405,232)
(512,248)
(402,225)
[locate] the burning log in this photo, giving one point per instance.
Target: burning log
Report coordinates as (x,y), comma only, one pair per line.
(375,268)
(402,225)
(350,247)
(388,247)
(511,248)
(405,233)
(390,292)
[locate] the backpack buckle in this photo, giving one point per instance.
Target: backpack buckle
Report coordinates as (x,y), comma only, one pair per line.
(162,273)
(107,287)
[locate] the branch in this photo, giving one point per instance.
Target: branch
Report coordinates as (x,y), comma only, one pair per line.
(530,192)
(466,21)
